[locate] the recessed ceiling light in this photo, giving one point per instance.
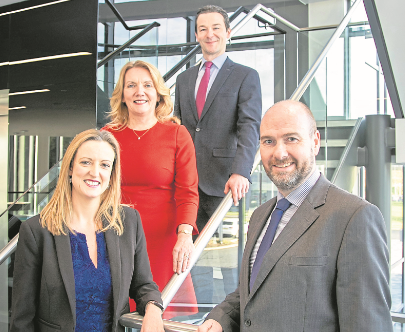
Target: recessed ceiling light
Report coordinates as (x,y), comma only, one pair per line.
(17,108)
(51,57)
(33,7)
(26,92)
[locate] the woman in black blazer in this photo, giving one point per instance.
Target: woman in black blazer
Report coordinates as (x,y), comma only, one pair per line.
(79,261)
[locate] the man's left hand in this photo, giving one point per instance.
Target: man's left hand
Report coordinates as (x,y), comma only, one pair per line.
(238,185)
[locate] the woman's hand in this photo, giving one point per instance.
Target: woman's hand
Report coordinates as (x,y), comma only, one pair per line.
(183,250)
(153,319)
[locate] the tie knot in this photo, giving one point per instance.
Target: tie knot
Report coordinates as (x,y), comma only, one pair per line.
(283,204)
(208,64)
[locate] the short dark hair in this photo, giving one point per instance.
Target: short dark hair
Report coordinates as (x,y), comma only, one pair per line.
(213,9)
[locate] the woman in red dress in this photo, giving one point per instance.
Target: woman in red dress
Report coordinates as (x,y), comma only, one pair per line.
(159,175)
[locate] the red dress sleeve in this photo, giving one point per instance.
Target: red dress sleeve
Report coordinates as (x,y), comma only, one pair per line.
(186,180)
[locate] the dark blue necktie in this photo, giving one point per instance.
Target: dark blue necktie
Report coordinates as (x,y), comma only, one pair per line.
(281,207)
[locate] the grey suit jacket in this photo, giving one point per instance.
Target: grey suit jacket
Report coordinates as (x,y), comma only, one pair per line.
(44,284)
(327,271)
(227,134)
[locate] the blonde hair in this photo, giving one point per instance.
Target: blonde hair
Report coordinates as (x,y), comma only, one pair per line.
(57,214)
(119,111)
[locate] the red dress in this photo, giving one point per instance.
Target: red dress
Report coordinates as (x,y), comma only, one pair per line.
(159,179)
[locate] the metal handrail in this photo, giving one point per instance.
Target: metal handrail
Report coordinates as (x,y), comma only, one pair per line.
(181,63)
(263,34)
(113,54)
(121,19)
(134,320)
(332,26)
(204,237)
(8,249)
(347,149)
(145,28)
(22,195)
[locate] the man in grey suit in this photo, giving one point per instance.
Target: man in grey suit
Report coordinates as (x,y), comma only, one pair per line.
(219,102)
(325,267)
(222,116)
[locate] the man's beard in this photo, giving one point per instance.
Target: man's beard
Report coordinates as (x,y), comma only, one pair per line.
(287,181)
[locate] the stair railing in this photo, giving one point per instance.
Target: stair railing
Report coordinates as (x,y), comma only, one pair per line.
(145,28)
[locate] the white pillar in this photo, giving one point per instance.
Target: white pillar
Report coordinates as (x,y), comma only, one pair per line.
(3,204)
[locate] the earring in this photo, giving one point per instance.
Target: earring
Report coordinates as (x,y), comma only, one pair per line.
(70,179)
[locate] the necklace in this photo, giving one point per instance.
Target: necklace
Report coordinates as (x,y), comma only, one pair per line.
(139,137)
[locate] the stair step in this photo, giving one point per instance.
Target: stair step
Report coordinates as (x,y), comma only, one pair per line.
(333,143)
(328,163)
(336,123)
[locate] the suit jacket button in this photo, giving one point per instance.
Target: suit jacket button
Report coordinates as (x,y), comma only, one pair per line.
(197,129)
(247,322)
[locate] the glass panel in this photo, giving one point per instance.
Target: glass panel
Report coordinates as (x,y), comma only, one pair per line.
(262,60)
(398,327)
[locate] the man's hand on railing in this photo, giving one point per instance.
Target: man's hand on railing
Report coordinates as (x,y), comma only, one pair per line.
(210,326)
(238,185)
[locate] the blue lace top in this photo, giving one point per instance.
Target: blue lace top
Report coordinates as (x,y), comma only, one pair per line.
(94,292)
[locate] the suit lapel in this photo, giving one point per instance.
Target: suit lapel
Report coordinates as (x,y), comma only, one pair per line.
(304,217)
(64,254)
(192,84)
(221,77)
(255,230)
(113,249)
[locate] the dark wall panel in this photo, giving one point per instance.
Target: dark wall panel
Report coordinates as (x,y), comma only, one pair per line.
(4,50)
(68,27)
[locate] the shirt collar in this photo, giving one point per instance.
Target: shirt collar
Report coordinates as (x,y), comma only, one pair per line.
(218,62)
(297,196)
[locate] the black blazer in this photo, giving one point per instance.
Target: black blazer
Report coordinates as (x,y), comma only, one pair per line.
(44,284)
(227,134)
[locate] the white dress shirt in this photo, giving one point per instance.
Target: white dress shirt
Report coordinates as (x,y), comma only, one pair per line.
(296,198)
(214,69)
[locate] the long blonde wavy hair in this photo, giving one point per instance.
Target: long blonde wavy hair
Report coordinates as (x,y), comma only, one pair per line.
(119,112)
(57,214)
